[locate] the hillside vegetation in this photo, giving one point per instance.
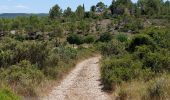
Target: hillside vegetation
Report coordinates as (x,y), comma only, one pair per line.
(133,39)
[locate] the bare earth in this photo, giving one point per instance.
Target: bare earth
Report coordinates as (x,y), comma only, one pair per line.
(81,84)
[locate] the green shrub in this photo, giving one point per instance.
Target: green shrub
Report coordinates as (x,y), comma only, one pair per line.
(6,58)
(24,76)
(74,39)
(134,25)
(130,23)
(89,39)
(157,62)
(35,52)
(105,37)
(160,36)
(142,51)
(140,40)
(7,94)
(113,47)
(121,37)
(59,60)
(7,43)
(66,53)
(115,71)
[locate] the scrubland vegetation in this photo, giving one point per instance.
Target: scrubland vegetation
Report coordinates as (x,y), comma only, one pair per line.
(133,39)
(138,67)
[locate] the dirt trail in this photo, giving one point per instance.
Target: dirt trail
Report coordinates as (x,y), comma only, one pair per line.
(81,84)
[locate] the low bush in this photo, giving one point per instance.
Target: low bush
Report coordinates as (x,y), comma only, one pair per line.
(89,39)
(23,77)
(140,66)
(140,40)
(121,37)
(105,37)
(115,71)
(74,39)
(7,94)
(157,62)
(113,47)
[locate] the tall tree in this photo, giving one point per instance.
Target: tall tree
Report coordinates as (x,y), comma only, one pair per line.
(150,7)
(121,6)
(126,3)
(80,12)
(113,7)
(55,12)
(93,8)
(101,7)
(68,12)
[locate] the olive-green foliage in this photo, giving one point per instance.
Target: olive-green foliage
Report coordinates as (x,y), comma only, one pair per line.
(121,37)
(157,61)
(55,12)
(13,51)
(142,59)
(7,45)
(140,40)
(67,53)
(105,37)
(160,36)
(61,59)
(134,25)
(130,24)
(89,39)
(35,52)
(113,47)
(155,58)
(142,51)
(74,39)
(24,76)
(115,70)
(83,26)
(58,60)
(80,11)
(24,65)
(7,94)
(6,58)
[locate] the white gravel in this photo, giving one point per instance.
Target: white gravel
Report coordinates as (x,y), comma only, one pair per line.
(81,84)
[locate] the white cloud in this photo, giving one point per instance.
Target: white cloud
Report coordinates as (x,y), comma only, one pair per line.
(21,6)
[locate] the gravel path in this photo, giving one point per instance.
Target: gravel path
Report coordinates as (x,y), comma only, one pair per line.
(81,84)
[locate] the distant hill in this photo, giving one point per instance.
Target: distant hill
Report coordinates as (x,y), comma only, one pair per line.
(13,15)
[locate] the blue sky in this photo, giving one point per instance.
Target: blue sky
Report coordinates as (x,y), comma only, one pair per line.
(43,6)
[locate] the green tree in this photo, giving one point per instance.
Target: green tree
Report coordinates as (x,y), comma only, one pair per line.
(120,7)
(68,12)
(150,7)
(93,8)
(80,12)
(101,5)
(34,22)
(55,12)
(113,7)
(126,3)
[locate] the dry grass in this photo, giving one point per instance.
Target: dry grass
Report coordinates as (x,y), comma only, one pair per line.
(156,89)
